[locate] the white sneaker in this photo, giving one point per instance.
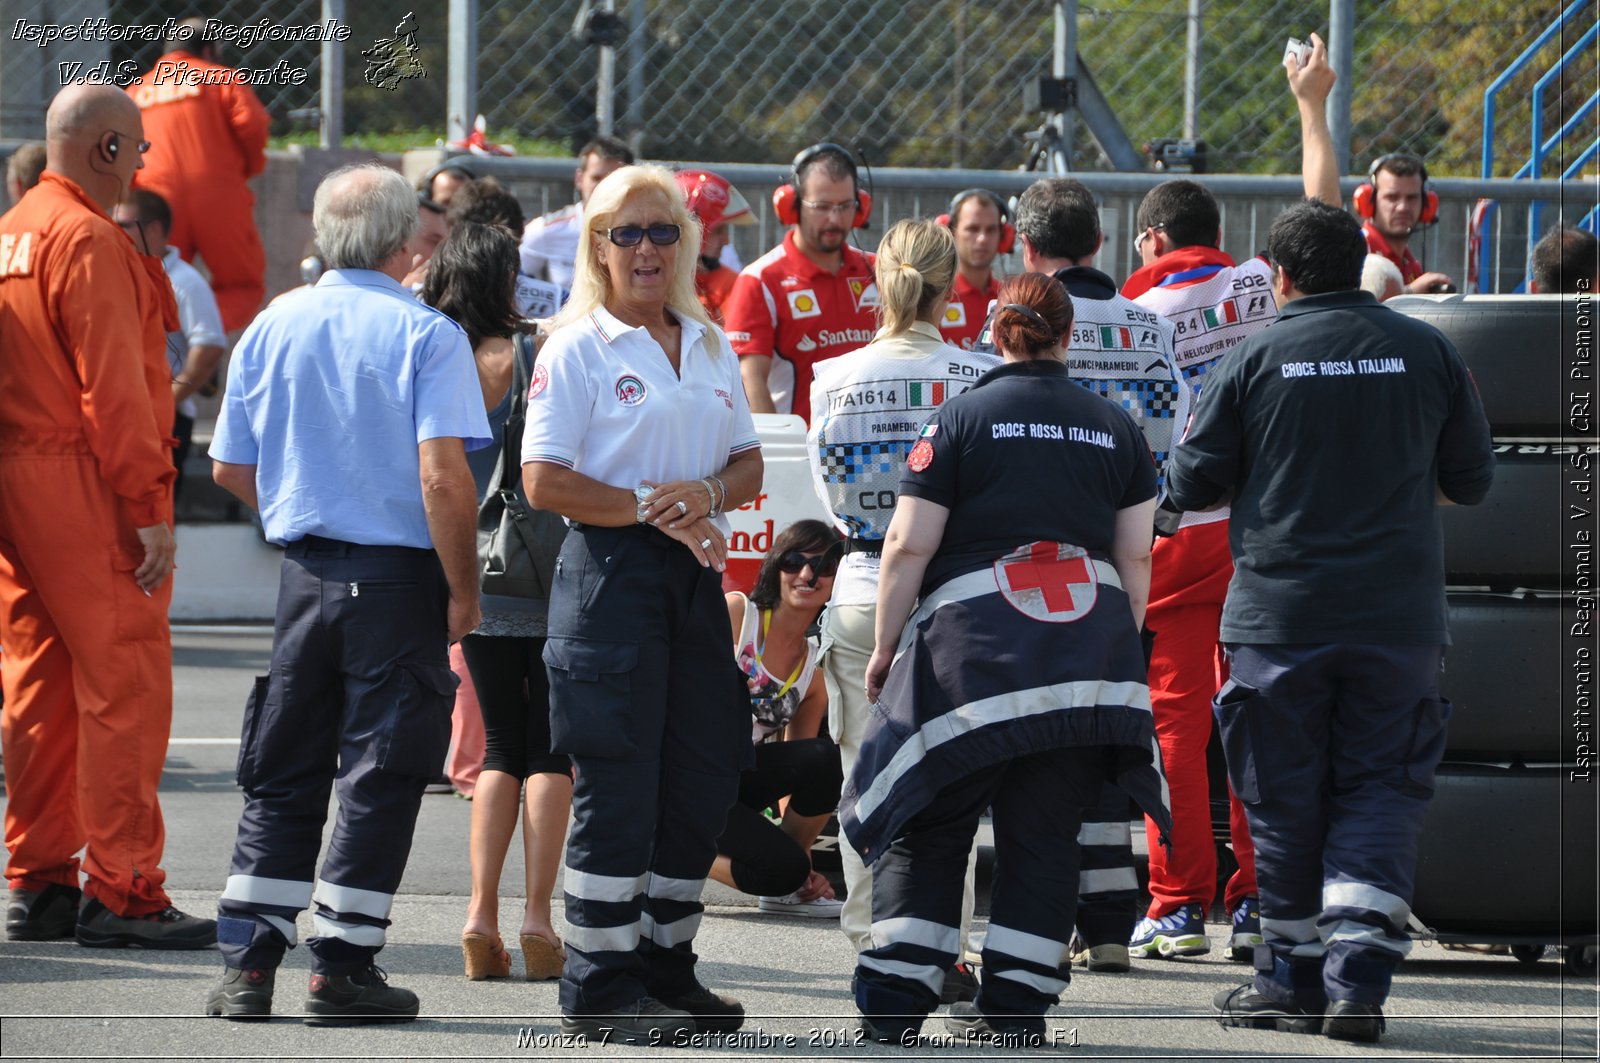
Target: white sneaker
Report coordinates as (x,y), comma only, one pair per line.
(817,908)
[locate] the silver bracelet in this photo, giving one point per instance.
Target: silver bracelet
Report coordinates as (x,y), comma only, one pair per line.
(711,498)
(722,502)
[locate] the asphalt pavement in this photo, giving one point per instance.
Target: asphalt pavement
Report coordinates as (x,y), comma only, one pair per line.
(61,1001)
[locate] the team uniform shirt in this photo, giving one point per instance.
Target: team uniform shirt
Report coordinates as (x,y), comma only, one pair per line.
(1124,353)
(1041,441)
(550,246)
(330,391)
(786,306)
(200,323)
(967,312)
(82,321)
(1213,306)
(1410,268)
(1333,428)
(605,402)
(868,408)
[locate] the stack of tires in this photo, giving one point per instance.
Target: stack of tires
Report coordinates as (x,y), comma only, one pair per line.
(1508,850)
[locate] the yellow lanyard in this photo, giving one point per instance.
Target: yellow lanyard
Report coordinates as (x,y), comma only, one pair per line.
(766,620)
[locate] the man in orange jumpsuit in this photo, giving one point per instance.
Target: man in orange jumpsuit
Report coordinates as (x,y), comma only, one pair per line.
(86,544)
(208,137)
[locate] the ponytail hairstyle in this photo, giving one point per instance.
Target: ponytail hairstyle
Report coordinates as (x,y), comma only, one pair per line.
(916,265)
(1032,313)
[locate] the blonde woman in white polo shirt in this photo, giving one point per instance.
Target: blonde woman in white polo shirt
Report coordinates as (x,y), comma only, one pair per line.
(638,433)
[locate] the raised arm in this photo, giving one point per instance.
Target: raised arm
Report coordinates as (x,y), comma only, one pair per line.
(1311,86)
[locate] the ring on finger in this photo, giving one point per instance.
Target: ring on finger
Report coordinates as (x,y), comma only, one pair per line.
(705,544)
(683,510)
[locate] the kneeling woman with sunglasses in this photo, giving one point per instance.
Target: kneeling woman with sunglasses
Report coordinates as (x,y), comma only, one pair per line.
(779,662)
(639,435)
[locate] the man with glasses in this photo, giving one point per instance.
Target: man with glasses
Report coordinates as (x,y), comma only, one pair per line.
(195,348)
(210,135)
(812,297)
(86,545)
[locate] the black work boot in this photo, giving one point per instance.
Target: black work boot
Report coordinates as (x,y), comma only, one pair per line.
(101,928)
(364,996)
(42,915)
(712,1012)
(647,1020)
(1351,1020)
(243,995)
(1246,1006)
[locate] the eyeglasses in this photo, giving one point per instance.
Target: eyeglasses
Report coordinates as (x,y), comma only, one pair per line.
(630,235)
(822,565)
(839,209)
(142,145)
(1138,241)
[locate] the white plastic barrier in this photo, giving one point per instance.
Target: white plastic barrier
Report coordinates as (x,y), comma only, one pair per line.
(787,495)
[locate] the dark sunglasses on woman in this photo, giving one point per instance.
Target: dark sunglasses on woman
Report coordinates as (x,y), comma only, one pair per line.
(630,235)
(822,565)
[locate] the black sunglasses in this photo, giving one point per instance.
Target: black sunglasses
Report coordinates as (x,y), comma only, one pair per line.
(630,235)
(822,565)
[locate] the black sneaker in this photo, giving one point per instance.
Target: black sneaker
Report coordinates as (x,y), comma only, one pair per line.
(101,928)
(1350,1020)
(960,983)
(1245,1006)
(646,1019)
(967,1022)
(712,1012)
(243,995)
(365,996)
(42,915)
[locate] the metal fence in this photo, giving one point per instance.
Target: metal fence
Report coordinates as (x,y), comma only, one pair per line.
(939,83)
(1248,204)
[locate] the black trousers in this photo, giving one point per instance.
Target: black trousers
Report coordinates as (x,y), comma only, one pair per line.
(1332,749)
(1039,804)
(357,702)
(646,699)
(766,861)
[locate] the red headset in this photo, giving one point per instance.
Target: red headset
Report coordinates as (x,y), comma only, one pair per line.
(1366,196)
(1008,232)
(786,198)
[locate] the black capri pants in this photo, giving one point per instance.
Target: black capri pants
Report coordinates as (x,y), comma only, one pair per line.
(514,696)
(764,860)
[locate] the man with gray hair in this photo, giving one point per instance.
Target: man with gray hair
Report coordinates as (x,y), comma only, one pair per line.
(350,407)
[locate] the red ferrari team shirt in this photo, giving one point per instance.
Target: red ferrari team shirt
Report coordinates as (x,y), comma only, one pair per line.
(968,310)
(786,306)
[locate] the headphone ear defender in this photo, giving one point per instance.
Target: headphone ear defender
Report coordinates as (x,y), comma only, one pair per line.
(863,210)
(1430,206)
(786,205)
(1363,200)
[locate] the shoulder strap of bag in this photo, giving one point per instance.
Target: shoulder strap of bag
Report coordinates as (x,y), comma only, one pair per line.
(510,464)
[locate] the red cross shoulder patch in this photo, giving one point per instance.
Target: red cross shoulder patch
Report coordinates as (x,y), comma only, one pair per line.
(1053,582)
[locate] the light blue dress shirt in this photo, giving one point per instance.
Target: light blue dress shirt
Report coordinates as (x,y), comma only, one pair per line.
(330,391)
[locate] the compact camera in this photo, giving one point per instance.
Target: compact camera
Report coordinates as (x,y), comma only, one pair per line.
(1300,50)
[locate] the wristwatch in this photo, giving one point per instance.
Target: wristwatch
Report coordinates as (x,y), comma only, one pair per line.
(641,493)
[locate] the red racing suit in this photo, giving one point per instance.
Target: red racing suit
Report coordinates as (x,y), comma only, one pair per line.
(1213,305)
(208,136)
(84,461)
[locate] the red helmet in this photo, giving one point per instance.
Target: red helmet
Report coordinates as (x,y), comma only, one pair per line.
(712,199)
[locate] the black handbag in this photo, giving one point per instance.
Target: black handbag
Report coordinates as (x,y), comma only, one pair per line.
(517,544)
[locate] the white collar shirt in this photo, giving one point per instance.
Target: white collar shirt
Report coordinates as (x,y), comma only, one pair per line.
(605,402)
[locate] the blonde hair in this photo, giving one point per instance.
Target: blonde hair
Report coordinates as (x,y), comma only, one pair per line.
(916,263)
(591,284)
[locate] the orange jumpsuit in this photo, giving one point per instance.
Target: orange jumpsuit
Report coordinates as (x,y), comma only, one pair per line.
(84,461)
(713,287)
(206,141)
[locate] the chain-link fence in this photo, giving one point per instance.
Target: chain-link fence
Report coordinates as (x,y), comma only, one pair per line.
(939,83)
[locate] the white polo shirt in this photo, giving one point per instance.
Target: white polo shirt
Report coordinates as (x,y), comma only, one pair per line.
(605,402)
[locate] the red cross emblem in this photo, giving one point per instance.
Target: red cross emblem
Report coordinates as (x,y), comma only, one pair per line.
(1054,582)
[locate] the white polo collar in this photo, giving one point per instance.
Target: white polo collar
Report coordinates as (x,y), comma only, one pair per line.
(609,326)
